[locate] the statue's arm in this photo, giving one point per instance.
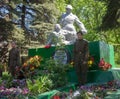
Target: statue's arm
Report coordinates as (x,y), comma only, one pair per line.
(61,21)
(81,25)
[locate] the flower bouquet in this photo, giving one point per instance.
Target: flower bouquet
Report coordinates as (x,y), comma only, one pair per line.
(104,65)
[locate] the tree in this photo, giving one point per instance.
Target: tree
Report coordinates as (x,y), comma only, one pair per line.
(112,16)
(46,17)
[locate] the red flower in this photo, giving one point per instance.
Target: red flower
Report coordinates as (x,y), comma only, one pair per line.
(104,65)
(47,46)
(102,62)
(56,97)
(92,59)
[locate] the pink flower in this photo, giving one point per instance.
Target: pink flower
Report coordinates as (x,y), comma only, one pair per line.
(25,91)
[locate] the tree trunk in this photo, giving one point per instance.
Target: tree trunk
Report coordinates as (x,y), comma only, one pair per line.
(23,16)
(0,72)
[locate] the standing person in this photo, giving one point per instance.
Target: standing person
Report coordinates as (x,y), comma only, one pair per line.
(13,59)
(67,23)
(81,54)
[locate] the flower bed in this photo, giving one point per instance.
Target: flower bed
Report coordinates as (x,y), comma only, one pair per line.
(13,93)
(33,78)
(94,91)
(38,78)
(91,91)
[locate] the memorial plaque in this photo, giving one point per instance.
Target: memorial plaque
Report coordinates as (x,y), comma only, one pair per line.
(61,56)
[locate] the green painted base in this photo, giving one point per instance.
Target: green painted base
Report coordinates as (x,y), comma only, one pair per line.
(48,95)
(97,49)
(113,95)
(96,76)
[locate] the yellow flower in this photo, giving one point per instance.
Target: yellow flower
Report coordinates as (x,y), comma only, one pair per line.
(91,62)
(31,59)
(37,57)
(72,63)
(25,64)
(32,68)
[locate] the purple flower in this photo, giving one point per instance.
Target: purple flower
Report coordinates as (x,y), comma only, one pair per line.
(2,88)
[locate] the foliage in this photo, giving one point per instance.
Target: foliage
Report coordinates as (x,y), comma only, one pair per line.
(3,52)
(46,17)
(18,35)
(56,72)
(39,85)
(5,28)
(1,65)
(6,76)
(60,4)
(6,80)
(111,18)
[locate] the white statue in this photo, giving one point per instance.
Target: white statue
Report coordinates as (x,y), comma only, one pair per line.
(56,37)
(66,34)
(67,23)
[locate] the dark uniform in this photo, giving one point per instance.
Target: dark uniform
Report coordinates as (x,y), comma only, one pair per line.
(81,54)
(14,60)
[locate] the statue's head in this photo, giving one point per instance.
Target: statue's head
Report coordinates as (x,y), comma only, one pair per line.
(68,9)
(57,27)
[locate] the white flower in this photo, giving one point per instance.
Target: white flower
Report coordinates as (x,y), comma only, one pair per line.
(76,93)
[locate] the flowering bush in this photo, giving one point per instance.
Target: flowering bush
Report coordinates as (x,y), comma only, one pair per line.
(33,62)
(104,65)
(28,68)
